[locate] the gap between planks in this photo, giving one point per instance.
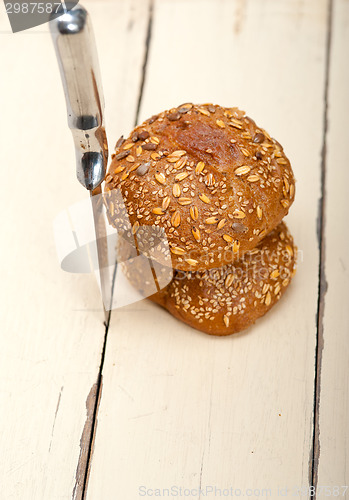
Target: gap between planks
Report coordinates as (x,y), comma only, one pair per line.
(315,450)
(94,396)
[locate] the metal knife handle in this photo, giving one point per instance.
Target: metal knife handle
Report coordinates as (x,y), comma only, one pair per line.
(75,47)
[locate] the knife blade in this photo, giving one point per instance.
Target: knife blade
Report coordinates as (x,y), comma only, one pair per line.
(75,47)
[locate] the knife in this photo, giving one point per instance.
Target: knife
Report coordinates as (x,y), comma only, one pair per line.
(76,52)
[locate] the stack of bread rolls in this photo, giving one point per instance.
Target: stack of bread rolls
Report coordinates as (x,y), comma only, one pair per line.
(217,186)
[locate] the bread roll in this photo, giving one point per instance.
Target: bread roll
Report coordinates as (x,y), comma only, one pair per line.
(209,176)
(225,300)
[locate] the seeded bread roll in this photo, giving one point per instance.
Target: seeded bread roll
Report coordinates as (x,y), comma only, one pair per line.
(215,181)
(228,299)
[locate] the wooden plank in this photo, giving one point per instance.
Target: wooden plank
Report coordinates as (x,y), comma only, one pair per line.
(181,408)
(51,322)
(333,421)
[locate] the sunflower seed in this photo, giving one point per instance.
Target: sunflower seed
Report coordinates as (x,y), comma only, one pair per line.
(227,238)
(149,146)
(238,227)
(239,214)
(143,168)
(122,155)
(143,135)
(220,123)
(259,138)
(174,116)
(119,142)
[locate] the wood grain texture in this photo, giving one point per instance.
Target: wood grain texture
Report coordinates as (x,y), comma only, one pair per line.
(181,408)
(334,390)
(51,322)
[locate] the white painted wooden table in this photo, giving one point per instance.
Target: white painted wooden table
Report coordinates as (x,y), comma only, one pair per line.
(148,403)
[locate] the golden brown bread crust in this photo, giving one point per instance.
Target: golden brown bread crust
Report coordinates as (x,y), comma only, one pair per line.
(229,299)
(215,181)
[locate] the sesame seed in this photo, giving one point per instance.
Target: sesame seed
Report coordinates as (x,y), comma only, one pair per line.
(274,274)
(157,211)
(259,212)
(226,320)
(268,299)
